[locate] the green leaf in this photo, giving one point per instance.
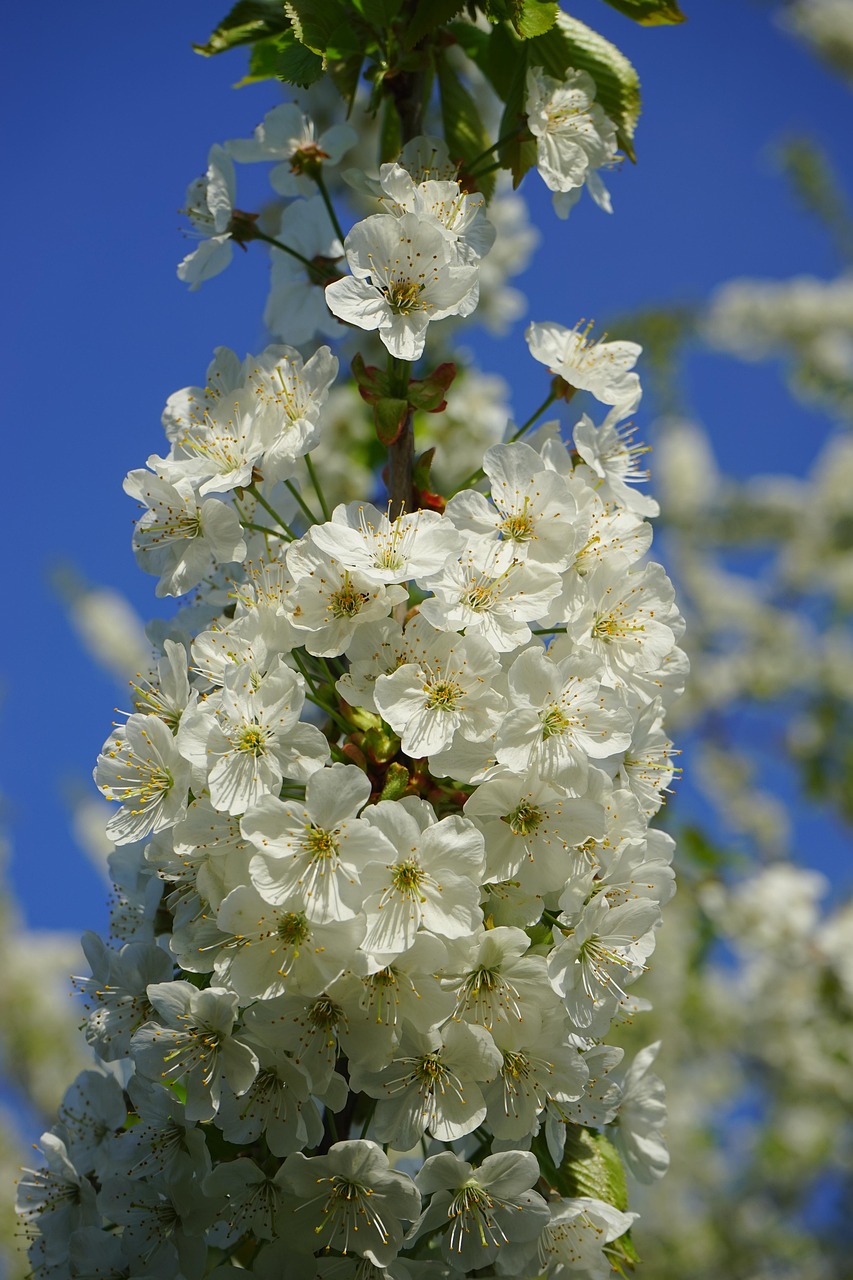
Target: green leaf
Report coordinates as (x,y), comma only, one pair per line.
(371,381)
(519,154)
(390,417)
(263,61)
(471,40)
(425,496)
(347,40)
(494,52)
(379,13)
(591,1166)
(396,781)
(622,1250)
(464,130)
(391,134)
(316,21)
(535,18)
(248,21)
(429,393)
(298,65)
(428,16)
(572,44)
(650,13)
(421,471)
(381,745)
(345,74)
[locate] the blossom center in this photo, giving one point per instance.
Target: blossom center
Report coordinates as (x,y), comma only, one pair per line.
(443,695)
(525,819)
(319,844)
(325,1014)
(612,626)
(384,996)
(518,526)
(516,1066)
(252,740)
(407,877)
(348,1202)
(554,721)
(308,159)
(404,295)
(346,602)
(479,596)
(474,1203)
(292,929)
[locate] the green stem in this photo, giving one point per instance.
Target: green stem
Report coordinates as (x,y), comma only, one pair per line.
(288,484)
(259,497)
(507,137)
(399,372)
(330,675)
(315,270)
(367,1119)
(530,421)
(479,473)
(327,201)
(552,919)
(401,454)
(548,631)
(315,480)
(263,528)
(490,168)
(329,1119)
(316,697)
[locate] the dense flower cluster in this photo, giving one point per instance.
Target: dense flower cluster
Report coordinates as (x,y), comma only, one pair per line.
(827,26)
(384,868)
(807,321)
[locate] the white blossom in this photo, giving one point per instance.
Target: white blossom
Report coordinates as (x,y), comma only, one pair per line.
(459,216)
(142,770)
(577,1233)
(247,737)
(329,601)
(194,1045)
(638,1131)
(432,1084)
(602,368)
(403,276)
(429,880)
(288,135)
(574,138)
(365,539)
(210,207)
(448,691)
(179,537)
(309,856)
(362,1203)
(561,718)
(483,1208)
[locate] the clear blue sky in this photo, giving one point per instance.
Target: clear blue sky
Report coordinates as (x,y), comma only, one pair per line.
(109,114)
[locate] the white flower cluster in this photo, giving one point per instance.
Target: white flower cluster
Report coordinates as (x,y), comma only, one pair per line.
(826,25)
(384,865)
(806,320)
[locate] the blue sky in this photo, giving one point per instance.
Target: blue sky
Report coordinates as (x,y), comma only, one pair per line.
(110,114)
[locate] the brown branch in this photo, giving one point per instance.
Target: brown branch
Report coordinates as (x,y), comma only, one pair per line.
(401,465)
